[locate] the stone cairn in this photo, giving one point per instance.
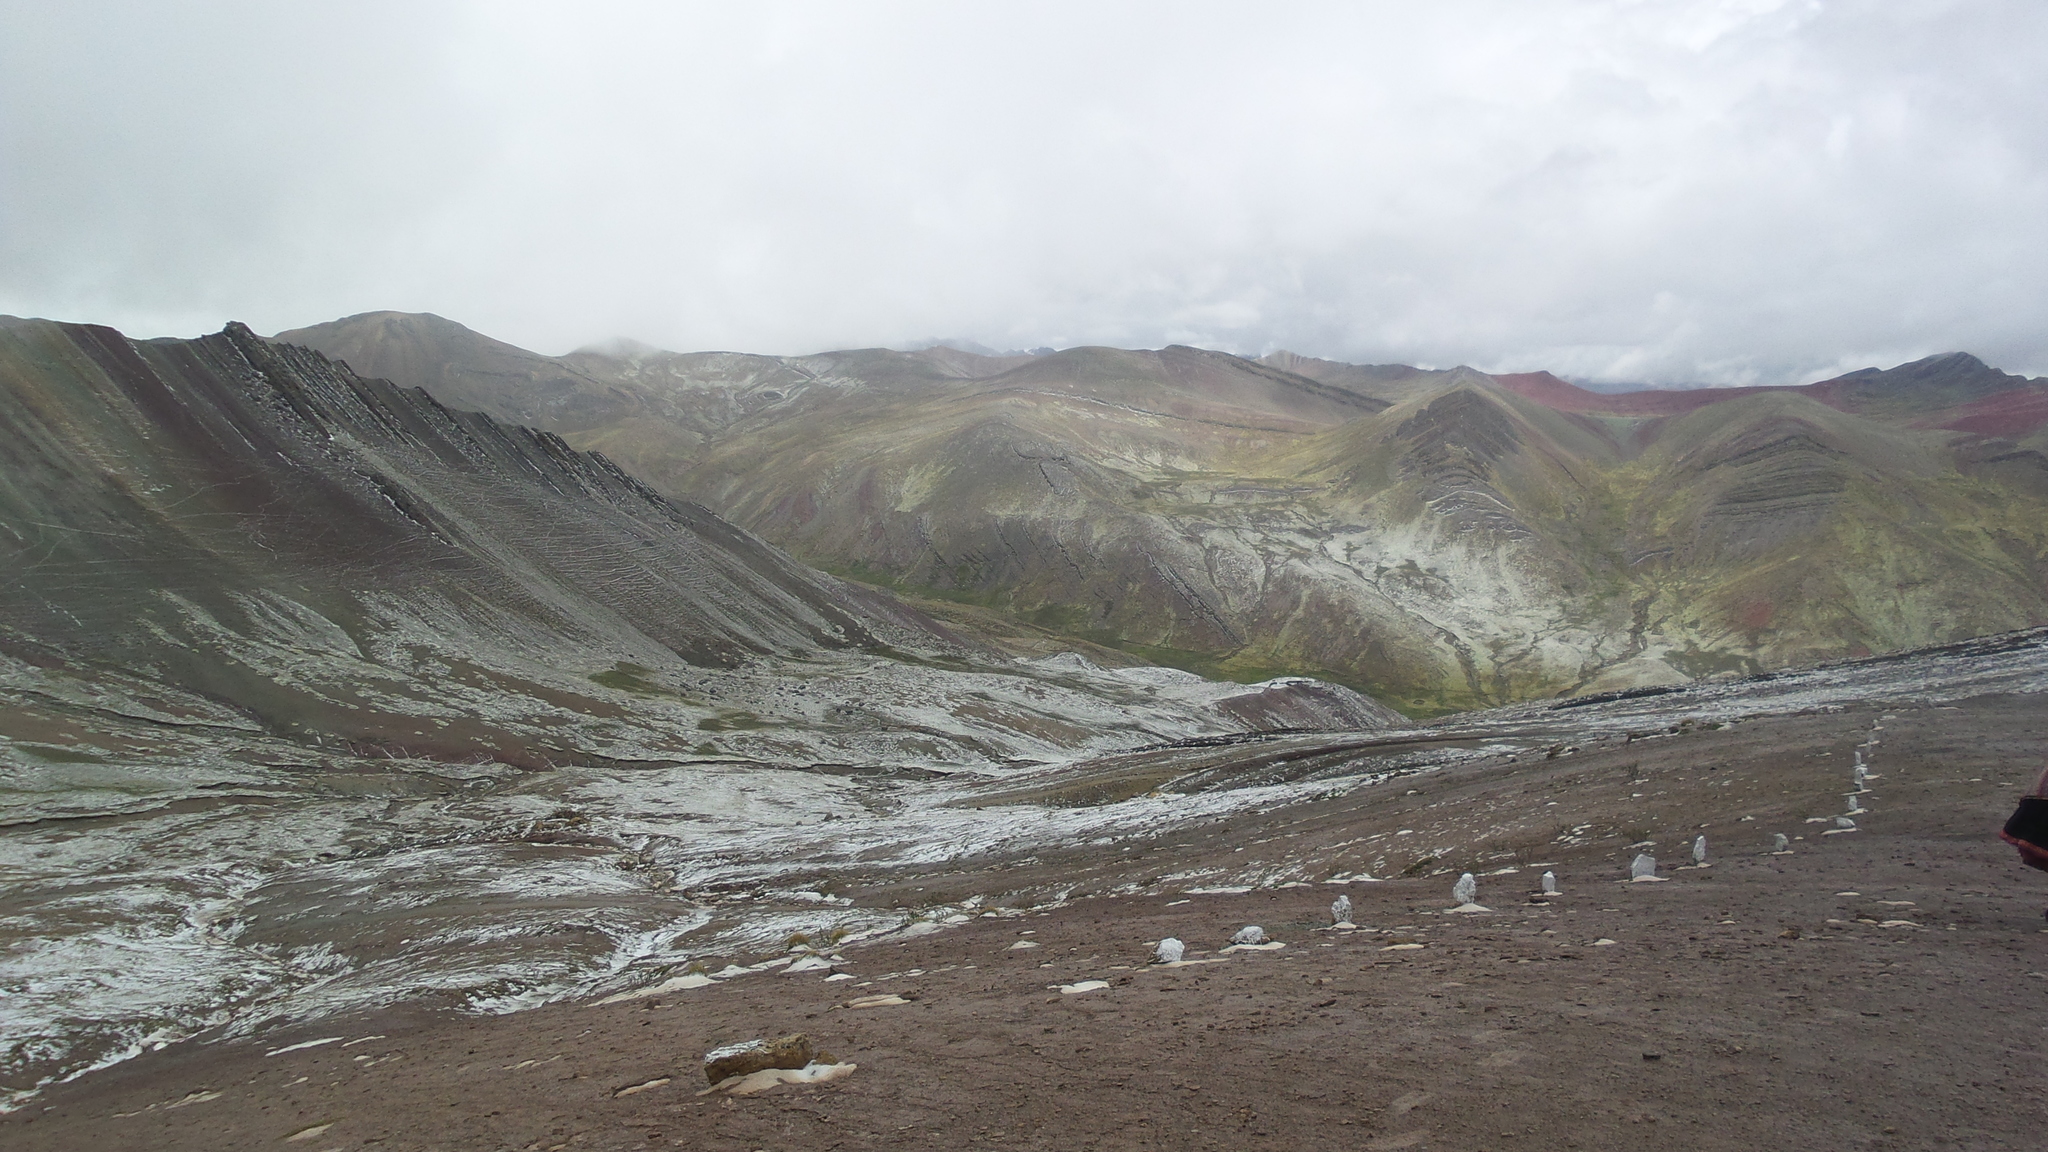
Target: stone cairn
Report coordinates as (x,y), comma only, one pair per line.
(1466,890)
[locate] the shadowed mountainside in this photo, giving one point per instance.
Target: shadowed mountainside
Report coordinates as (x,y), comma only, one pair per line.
(1442,539)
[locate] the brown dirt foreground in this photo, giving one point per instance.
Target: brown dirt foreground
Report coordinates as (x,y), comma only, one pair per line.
(1685,1014)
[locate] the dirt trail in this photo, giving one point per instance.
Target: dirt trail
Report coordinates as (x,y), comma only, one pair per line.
(1879,988)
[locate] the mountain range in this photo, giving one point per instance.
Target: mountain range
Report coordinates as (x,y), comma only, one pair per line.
(319,694)
(241,535)
(1439,539)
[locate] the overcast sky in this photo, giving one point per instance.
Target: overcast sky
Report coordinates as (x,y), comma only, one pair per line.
(1694,191)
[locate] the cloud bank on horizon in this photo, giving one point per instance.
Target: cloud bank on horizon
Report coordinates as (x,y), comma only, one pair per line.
(1724,191)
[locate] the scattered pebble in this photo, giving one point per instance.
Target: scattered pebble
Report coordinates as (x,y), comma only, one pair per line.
(303,1045)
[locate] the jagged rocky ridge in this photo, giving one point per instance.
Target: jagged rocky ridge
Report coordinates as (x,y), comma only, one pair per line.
(1441,539)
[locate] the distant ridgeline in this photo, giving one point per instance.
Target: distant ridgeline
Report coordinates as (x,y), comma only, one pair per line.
(1440,540)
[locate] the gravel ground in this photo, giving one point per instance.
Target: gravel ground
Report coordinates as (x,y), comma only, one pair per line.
(1886,987)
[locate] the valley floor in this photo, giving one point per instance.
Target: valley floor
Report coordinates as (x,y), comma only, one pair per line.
(1883,988)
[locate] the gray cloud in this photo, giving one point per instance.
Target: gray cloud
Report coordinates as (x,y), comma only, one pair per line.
(1685,191)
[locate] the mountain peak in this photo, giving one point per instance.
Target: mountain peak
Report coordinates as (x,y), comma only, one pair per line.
(1948,361)
(1924,385)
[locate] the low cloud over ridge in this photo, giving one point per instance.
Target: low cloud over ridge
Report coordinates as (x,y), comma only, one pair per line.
(1723,192)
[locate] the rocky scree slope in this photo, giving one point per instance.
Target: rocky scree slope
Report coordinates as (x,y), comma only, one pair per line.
(226,523)
(317,696)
